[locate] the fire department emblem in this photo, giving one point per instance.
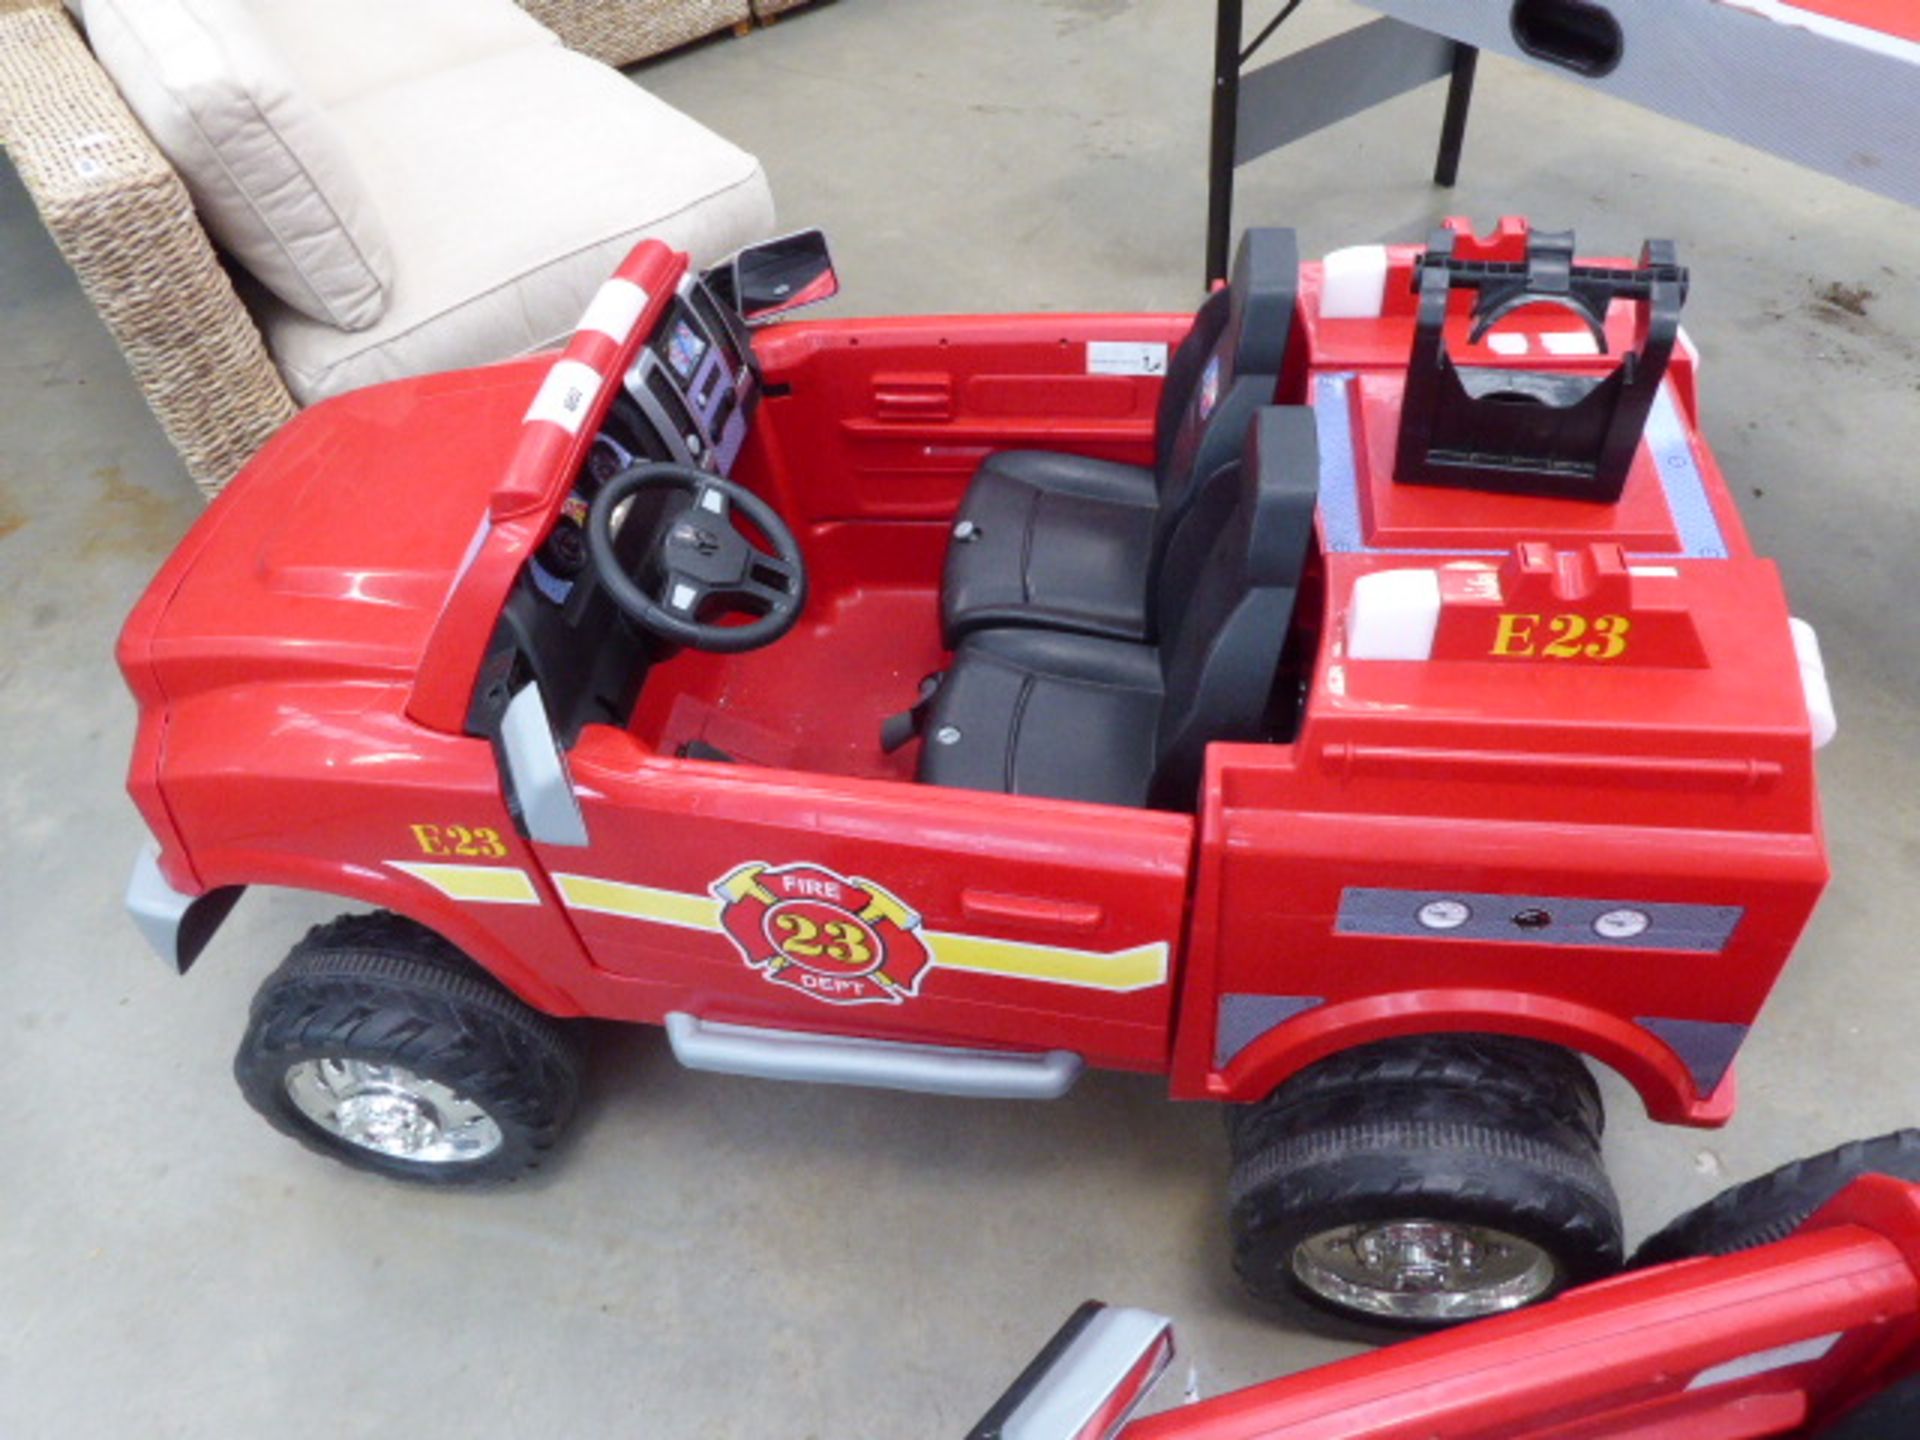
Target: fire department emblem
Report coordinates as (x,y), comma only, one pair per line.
(843,941)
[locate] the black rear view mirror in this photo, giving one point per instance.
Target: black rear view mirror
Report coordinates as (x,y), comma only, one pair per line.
(775,276)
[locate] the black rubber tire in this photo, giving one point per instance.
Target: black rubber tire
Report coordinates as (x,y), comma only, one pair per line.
(383,989)
(1451,1129)
(1771,1207)
(1521,1080)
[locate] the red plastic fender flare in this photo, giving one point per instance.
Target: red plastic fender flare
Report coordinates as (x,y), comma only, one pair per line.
(1653,1069)
(361,884)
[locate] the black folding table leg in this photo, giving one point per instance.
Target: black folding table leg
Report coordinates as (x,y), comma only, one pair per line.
(1226,119)
(1453,128)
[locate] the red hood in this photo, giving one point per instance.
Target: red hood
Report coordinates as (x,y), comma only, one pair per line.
(332,554)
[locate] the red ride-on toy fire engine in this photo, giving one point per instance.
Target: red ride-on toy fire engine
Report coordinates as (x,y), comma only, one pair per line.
(1356,700)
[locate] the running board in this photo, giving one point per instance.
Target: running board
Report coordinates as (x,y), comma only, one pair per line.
(810,1058)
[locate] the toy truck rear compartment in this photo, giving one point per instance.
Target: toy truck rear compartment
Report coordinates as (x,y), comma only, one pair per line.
(1614,855)
(1649,950)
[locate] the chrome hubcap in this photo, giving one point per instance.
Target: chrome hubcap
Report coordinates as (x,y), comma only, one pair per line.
(392,1111)
(1424,1269)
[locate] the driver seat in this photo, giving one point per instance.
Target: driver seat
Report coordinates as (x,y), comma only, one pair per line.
(1086,717)
(1065,542)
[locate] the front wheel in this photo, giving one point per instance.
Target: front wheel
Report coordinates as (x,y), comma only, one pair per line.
(379,1044)
(1417,1184)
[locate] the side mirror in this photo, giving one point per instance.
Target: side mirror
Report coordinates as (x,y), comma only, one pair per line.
(1086,1381)
(775,276)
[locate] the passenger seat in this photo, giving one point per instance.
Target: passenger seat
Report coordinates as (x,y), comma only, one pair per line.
(1066,543)
(1087,717)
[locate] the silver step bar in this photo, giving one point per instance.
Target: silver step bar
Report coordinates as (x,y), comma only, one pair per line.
(815,1059)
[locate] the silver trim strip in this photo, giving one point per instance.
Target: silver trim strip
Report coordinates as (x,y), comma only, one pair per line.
(811,1058)
(1536,919)
(1680,477)
(1243,1019)
(538,774)
(158,910)
(1706,1047)
(636,388)
(1068,1401)
(1681,482)
(1762,1362)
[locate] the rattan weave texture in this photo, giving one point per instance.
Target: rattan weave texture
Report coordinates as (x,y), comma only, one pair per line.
(621,32)
(125,224)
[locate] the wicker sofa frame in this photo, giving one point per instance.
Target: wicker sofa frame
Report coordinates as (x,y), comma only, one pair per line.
(124,222)
(623,31)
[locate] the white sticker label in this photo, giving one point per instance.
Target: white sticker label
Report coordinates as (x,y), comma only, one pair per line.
(615,310)
(1126,357)
(1569,342)
(566,395)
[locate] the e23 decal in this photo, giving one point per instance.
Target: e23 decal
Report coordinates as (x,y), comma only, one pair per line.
(1561,637)
(843,941)
(475,841)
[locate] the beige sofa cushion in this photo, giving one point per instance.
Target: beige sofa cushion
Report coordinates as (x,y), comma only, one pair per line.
(343,49)
(266,169)
(523,181)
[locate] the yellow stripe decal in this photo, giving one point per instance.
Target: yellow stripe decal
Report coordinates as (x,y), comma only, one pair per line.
(639,902)
(487,884)
(1140,968)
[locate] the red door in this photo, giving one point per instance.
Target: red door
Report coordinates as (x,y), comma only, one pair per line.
(759,896)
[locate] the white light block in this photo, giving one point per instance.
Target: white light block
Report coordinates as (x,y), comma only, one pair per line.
(1569,342)
(1353,283)
(1813,680)
(1394,615)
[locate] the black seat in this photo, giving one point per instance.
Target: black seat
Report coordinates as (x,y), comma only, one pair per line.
(1085,717)
(1063,542)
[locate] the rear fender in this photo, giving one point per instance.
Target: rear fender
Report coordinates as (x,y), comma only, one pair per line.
(1658,1072)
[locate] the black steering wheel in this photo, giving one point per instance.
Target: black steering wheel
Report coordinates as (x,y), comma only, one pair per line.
(703,560)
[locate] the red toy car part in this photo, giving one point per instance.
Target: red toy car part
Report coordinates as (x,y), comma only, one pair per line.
(1783,1340)
(1534,776)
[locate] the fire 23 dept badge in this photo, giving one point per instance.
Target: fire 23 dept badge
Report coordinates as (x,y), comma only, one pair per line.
(847,942)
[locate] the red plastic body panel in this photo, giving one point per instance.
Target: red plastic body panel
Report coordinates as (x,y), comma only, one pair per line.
(1889,17)
(1756,1344)
(306,661)
(683,825)
(889,418)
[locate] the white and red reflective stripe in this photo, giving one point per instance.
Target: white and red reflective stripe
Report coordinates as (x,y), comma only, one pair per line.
(595,355)
(615,310)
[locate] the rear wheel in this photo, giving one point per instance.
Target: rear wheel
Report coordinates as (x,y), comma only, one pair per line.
(1415,1184)
(381,1045)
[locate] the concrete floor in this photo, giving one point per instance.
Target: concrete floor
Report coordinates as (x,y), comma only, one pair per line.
(717,1257)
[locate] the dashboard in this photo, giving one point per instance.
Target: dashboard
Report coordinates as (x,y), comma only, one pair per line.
(687,398)
(694,381)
